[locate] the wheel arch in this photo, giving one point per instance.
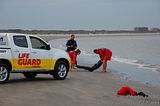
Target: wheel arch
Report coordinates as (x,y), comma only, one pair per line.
(5,61)
(64,60)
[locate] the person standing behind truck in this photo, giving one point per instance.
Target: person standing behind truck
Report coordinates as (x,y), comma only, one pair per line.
(71,43)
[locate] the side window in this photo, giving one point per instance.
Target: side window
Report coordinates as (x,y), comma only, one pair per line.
(20,41)
(37,43)
(3,40)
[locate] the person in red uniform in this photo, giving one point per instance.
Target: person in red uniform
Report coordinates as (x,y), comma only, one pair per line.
(127,90)
(105,55)
(73,55)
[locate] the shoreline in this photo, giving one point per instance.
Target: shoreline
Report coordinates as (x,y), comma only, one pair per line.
(109,34)
(59,36)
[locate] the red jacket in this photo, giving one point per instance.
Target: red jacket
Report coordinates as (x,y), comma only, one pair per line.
(104,54)
(126,90)
(73,56)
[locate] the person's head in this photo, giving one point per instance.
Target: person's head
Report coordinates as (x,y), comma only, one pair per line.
(95,51)
(78,51)
(72,36)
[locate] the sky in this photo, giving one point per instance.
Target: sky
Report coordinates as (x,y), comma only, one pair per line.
(79,14)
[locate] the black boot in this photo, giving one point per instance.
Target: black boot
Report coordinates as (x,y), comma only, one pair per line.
(142,94)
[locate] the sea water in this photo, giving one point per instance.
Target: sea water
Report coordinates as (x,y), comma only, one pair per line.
(134,57)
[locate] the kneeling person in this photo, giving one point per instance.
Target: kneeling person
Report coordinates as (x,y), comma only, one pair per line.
(73,55)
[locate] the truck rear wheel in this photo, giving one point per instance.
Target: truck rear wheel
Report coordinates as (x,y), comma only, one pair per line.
(30,75)
(61,70)
(4,73)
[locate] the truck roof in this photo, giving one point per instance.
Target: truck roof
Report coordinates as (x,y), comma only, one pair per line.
(12,34)
(4,38)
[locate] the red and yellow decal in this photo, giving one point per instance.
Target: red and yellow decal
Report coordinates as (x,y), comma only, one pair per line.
(24,61)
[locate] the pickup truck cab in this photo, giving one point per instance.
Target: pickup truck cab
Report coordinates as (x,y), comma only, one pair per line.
(30,55)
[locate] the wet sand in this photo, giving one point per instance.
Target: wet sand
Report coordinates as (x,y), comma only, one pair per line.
(80,88)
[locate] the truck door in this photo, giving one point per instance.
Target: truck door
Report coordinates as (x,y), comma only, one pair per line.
(41,55)
(20,52)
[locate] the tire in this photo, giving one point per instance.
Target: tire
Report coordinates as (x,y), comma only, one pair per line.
(61,70)
(4,73)
(30,75)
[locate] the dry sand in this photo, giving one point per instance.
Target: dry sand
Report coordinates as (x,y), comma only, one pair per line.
(80,88)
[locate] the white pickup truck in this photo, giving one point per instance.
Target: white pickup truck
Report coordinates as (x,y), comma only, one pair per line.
(30,55)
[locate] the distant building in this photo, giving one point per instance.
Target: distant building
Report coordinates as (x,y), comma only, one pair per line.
(155,29)
(141,29)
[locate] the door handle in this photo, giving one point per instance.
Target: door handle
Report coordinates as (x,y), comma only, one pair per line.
(16,51)
(34,52)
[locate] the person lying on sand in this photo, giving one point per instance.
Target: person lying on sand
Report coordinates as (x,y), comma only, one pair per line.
(127,90)
(91,69)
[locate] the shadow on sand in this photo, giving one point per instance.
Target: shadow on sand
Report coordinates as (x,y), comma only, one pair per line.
(37,80)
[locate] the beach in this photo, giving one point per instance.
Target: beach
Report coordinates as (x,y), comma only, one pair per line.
(80,88)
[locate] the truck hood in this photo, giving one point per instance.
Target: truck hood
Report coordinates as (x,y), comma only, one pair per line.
(59,53)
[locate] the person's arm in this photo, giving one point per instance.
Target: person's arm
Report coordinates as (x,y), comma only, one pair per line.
(75,45)
(67,44)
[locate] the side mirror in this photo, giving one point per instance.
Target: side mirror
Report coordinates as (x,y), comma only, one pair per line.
(48,47)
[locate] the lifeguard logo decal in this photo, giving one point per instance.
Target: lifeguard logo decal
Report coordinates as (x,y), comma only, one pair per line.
(24,61)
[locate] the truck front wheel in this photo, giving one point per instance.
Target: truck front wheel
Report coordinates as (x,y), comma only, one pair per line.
(4,73)
(61,70)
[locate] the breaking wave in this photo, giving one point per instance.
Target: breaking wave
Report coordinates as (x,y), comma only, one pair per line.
(137,63)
